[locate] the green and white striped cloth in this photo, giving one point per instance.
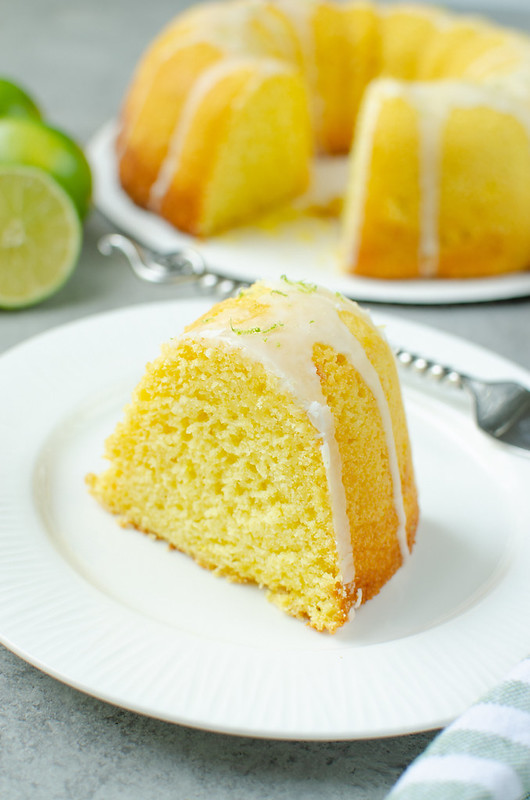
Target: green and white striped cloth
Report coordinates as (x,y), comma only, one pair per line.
(483,755)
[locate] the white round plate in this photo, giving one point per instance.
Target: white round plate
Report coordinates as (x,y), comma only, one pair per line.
(305,248)
(120,616)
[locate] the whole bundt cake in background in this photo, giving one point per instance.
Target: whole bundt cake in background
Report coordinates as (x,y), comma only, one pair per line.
(269,442)
(233,100)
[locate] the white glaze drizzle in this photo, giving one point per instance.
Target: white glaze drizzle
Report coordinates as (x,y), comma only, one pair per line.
(491,64)
(227,26)
(499,71)
(168,52)
(218,24)
(300,15)
(433,103)
(297,319)
(431,119)
(260,70)
(438,17)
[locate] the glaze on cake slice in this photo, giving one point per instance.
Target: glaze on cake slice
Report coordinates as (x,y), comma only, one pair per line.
(269,442)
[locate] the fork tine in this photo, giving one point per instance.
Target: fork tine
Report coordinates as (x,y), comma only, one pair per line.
(502,408)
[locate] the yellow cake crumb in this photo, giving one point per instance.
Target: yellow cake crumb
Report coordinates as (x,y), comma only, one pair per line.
(218,455)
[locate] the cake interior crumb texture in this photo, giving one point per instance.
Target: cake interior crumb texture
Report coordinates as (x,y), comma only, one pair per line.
(217,456)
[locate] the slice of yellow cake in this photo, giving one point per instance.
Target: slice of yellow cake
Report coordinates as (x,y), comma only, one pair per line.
(242,146)
(269,442)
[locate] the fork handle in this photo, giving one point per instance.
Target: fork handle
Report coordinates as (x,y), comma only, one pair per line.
(185,265)
(431,369)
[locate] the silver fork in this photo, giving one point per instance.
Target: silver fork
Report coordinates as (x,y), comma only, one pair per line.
(184,266)
(502,408)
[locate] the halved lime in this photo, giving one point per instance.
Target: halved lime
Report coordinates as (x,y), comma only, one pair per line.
(40,236)
(35,144)
(16,102)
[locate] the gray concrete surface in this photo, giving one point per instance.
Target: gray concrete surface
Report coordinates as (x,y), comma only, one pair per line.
(55,742)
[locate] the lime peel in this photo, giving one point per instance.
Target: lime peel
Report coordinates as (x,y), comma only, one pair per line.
(16,102)
(34,143)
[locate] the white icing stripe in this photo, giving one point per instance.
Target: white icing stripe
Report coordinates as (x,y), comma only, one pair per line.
(433,103)
(369,375)
(300,15)
(430,124)
(494,59)
(230,27)
(437,16)
(167,53)
(261,70)
(220,25)
(267,68)
(429,130)
(293,364)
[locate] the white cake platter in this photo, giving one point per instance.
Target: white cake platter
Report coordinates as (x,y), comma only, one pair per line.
(305,247)
(115,614)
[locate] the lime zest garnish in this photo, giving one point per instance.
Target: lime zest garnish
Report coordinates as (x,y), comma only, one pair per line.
(245,331)
(302,286)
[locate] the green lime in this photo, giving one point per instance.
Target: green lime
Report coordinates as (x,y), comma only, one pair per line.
(16,102)
(40,236)
(35,144)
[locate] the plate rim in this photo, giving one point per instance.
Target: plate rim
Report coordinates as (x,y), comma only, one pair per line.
(69,331)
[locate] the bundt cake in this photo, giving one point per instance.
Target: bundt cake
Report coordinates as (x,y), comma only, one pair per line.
(269,442)
(232,100)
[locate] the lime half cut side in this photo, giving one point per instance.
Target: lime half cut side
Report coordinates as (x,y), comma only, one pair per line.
(40,236)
